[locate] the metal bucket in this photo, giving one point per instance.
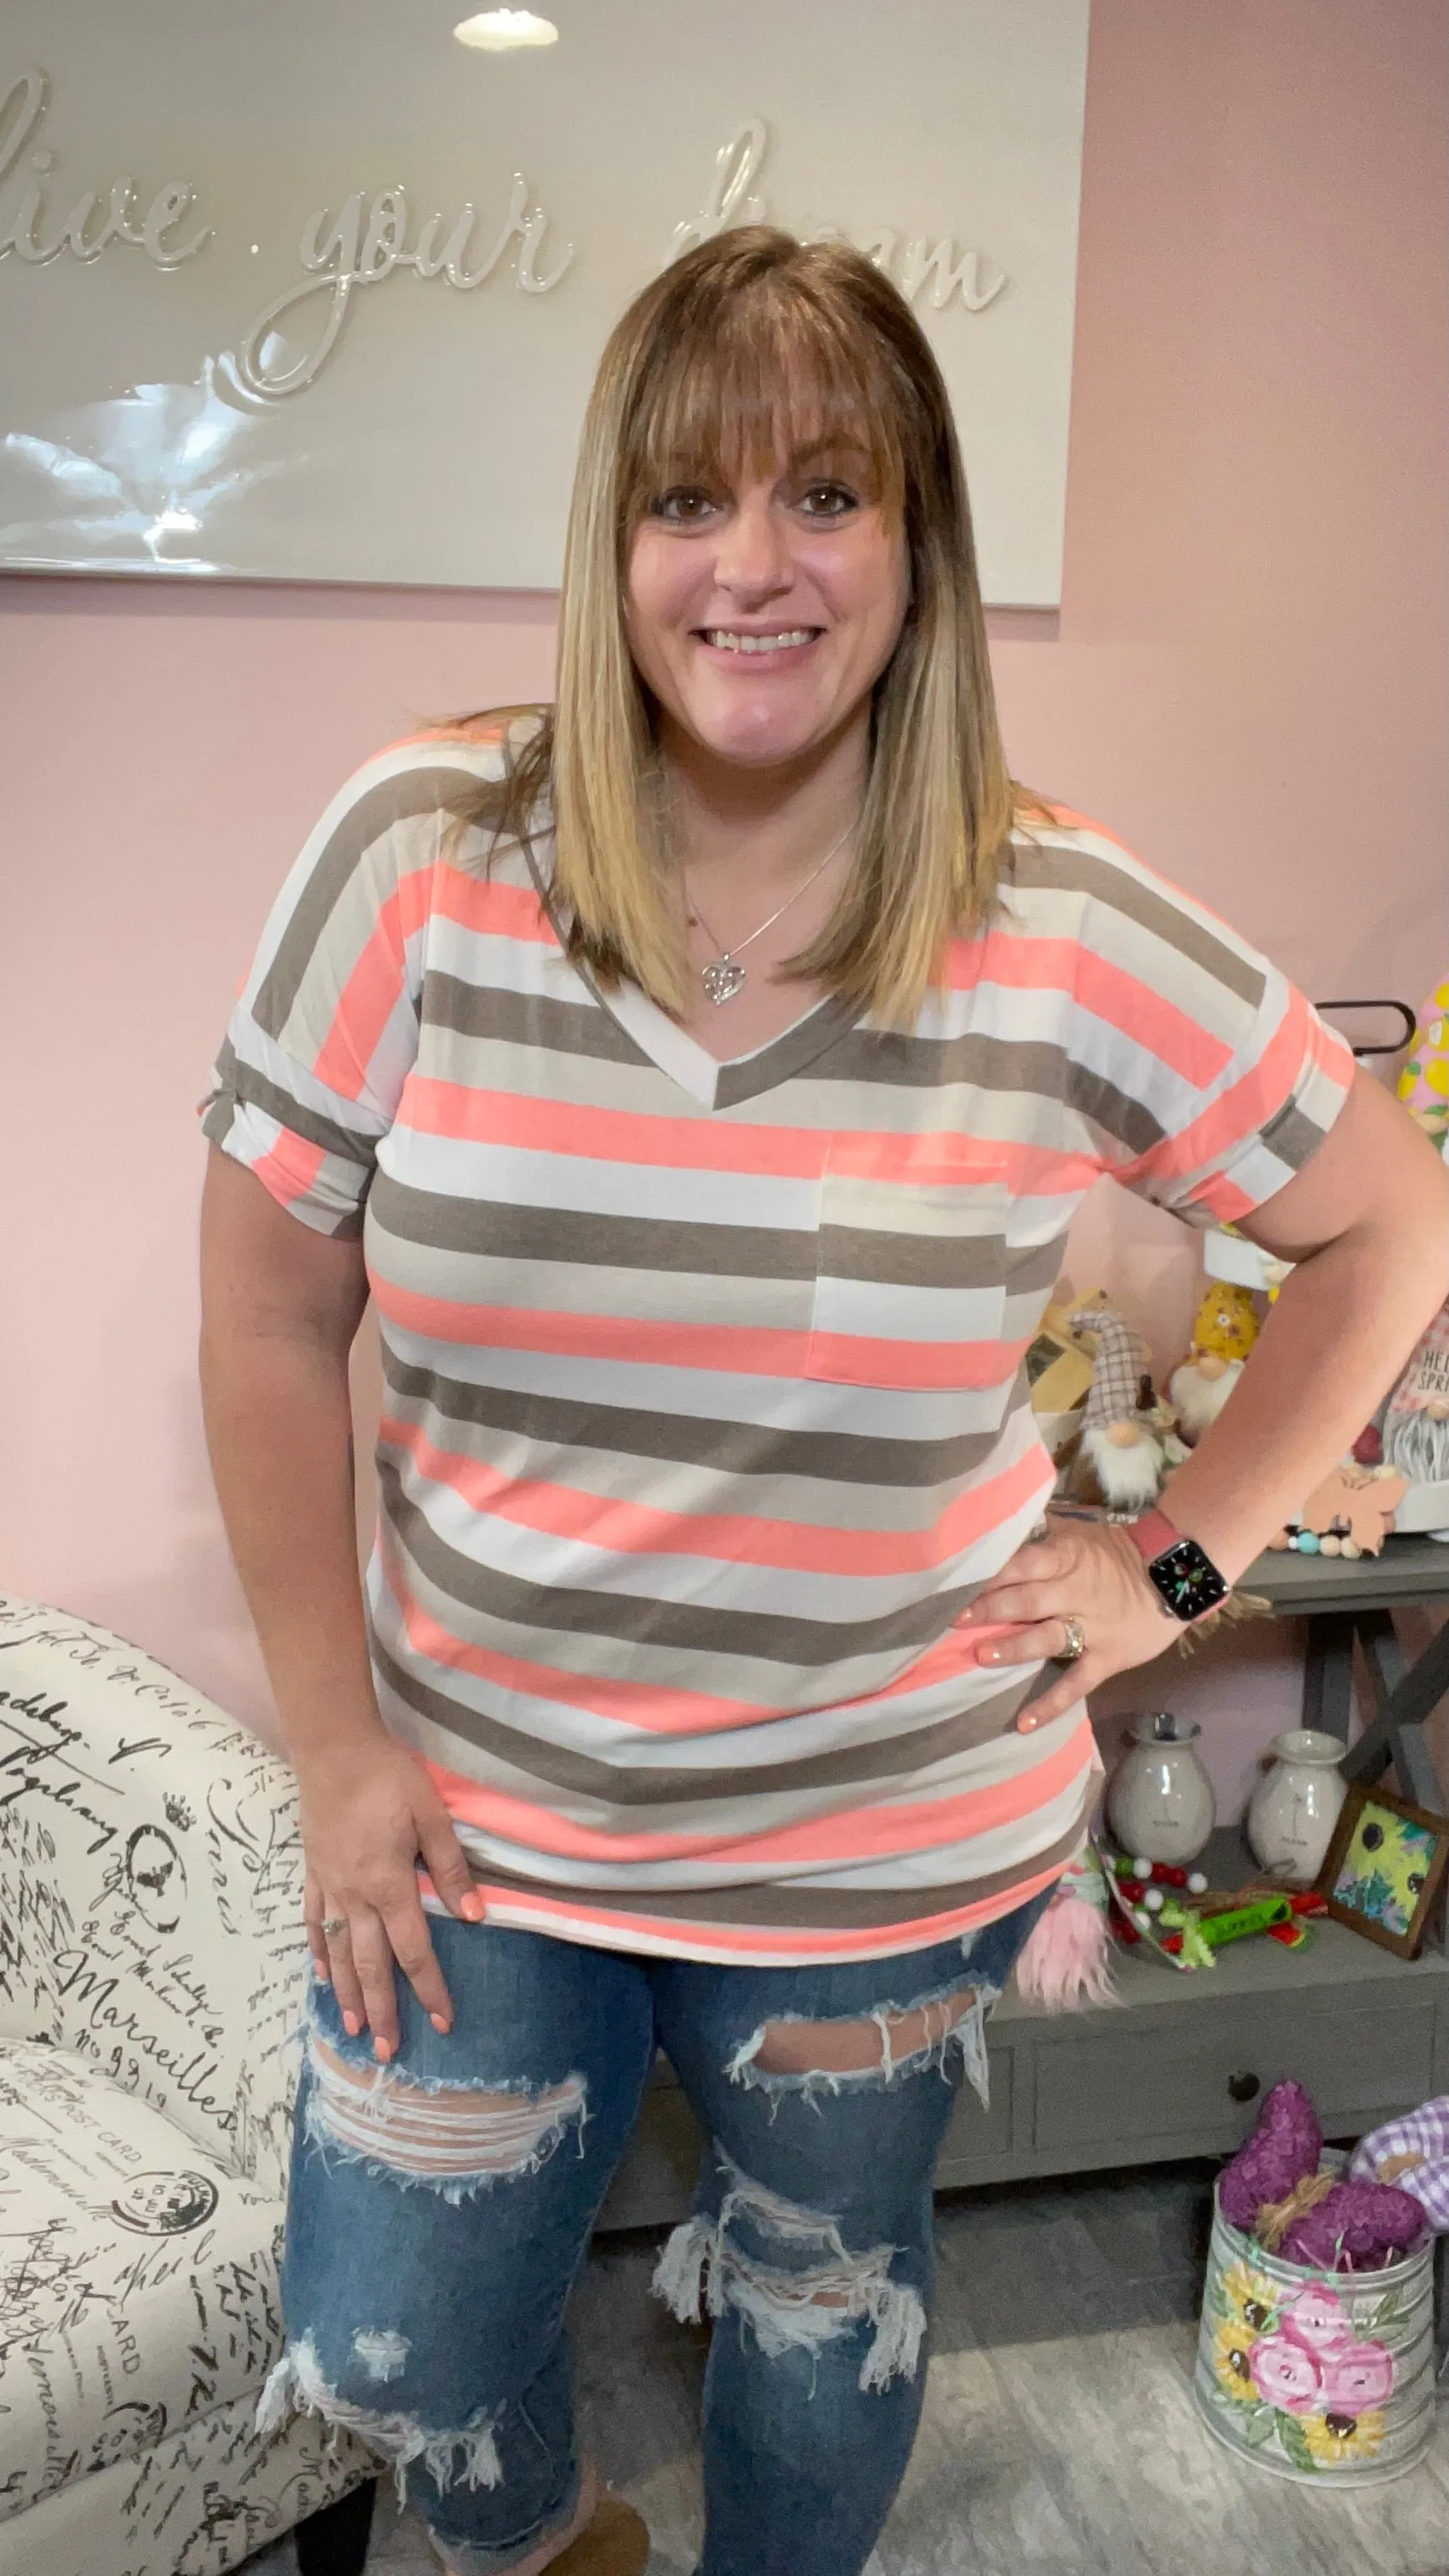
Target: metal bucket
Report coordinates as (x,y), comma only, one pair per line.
(1327,2377)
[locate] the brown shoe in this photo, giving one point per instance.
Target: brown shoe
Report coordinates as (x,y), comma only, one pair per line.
(614,2543)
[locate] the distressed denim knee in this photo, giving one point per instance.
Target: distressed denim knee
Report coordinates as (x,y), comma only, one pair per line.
(441,2135)
(440,2206)
(409,2132)
(787,2274)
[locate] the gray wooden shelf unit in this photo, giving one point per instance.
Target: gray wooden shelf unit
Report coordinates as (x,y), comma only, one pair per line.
(1178,2067)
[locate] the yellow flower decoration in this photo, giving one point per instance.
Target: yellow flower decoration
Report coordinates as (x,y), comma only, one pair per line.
(1252,2299)
(1334,2438)
(1231,2356)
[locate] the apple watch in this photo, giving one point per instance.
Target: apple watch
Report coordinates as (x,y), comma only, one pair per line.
(1183,1575)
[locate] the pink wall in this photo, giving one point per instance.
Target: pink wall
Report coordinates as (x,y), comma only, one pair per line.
(1246,681)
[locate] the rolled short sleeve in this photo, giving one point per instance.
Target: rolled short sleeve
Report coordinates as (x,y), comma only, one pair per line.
(325,1033)
(1260,1123)
(1205,1078)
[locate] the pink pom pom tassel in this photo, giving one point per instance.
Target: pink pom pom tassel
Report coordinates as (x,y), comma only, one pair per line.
(1064,1962)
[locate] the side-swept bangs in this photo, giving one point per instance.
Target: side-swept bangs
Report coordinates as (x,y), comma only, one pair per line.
(751,379)
(751,348)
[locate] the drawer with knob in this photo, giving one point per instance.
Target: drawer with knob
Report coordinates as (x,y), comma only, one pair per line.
(1204,2078)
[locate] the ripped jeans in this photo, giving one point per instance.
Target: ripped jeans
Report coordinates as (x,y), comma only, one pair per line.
(441,2208)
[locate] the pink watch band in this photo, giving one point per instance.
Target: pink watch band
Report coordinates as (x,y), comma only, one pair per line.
(1152,1533)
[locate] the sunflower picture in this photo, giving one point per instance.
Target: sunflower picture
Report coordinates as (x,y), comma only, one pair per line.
(1384,1868)
(1232,2361)
(1334,2438)
(1249,2298)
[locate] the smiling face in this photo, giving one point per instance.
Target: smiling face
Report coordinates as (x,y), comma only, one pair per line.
(761,609)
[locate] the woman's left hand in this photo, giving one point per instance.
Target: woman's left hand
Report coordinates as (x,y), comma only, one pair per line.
(1083,1570)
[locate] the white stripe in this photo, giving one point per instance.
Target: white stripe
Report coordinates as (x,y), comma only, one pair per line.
(586,1185)
(725,1395)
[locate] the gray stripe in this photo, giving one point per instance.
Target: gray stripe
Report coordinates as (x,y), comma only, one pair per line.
(901,1260)
(527,1019)
(243,1082)
(765,1905)
(1029,1068)
(678,1627)
(789,1057)
(1078,872)
(512,1231)
(341,1226)
(897,1757)
(444,789)
(693,1440)
(1112,1110)
(1292,1136)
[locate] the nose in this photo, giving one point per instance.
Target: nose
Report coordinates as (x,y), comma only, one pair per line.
(752,558)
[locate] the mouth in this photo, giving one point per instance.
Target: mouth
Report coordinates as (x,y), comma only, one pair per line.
(751,644)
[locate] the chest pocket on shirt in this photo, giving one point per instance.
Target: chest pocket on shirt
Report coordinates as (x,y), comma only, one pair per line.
(910,1280)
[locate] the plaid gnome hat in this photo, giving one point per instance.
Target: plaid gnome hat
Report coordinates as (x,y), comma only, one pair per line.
(1116,1389)
(1416,1426)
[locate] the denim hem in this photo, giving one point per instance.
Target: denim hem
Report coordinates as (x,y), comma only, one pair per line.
(470,2560)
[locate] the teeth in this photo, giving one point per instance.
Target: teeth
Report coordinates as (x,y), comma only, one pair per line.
(731,643)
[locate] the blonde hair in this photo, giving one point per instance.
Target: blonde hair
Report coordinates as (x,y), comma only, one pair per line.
(751,345)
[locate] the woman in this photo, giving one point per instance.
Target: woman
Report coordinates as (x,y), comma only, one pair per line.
(701,1078)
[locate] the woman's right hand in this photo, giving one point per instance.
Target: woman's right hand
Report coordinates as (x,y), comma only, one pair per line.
(368,1816)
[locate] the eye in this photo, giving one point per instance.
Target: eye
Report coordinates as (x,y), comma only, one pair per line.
(684,505)
(828,500)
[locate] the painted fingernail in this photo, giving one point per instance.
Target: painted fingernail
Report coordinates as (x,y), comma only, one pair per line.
(382,2048)
(351,2024)
(472,1907)
(440,2026)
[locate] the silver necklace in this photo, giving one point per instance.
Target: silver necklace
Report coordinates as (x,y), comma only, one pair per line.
(724,976)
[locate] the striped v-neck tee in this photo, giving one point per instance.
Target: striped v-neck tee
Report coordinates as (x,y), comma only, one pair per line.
(705,1415)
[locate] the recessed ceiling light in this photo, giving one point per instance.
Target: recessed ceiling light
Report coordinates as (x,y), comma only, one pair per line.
(497,31)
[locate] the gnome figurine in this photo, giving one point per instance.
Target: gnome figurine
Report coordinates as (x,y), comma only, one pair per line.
(1416,1426)
(1127,1443)
(1224,1331)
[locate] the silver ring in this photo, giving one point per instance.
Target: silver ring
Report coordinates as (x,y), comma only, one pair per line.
(332,1924)
(1076,1645)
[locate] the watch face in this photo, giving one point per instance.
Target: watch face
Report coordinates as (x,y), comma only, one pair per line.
(1188,1580)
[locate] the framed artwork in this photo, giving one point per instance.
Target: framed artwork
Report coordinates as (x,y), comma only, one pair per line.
(1384,1868)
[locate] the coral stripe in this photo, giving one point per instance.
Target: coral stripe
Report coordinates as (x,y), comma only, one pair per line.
(1025,965)
(647,1707)
(851,1835)
(497,911)
(646,1932)
(763,1351)
(605,1522)
(290,1169)
(630,1703)
(1226,1121)
(469,1114)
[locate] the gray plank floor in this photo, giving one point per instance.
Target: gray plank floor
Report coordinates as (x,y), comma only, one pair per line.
(1059,2438)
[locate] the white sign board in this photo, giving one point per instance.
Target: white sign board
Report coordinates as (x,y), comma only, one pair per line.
(315,292)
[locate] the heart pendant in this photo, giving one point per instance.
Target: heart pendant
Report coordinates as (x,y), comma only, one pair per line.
(722,978)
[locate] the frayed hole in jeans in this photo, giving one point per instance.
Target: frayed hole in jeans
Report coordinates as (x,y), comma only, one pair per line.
(456,2138)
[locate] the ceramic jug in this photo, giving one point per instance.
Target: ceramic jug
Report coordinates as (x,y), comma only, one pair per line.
(1295,1806)
(1160,1800)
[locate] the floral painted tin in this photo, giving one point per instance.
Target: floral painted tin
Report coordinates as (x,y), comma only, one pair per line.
(1327,2377)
